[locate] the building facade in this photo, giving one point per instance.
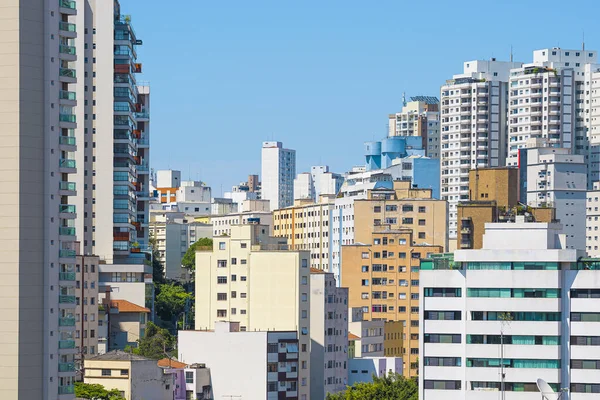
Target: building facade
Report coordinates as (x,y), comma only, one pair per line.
(278,169)
(329,335)
(252,278)
(592,221)
(419,117)
(473,127)
(222,224)
(523,285)
(85,337)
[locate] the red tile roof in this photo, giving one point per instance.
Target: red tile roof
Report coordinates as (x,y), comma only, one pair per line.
(170,363)
(352,336)
(125,306)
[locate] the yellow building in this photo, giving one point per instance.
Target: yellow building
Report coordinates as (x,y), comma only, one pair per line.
(402,207)
(135,377)
(393,338)
(252,278)
(382,275)
(306,225)
(493,197)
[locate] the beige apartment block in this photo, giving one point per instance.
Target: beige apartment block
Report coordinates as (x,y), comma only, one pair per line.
(252,278)
(85,336)
(382,276)
(307,226)
(402,207)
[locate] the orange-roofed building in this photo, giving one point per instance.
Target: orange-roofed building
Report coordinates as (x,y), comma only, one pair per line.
(170,363)
(127,323)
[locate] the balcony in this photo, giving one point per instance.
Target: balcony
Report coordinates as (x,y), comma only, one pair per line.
(67,7)
(66,367)
(66,231)
(142,115)
(67,52)
(67,253)
(66,163)
(67,188)
(66,209)
(66,344)
(66,26)
(66,321)
(66,276)
(66,299)
(66,95)
(67,75)
(67,118)
(143,168)
(67,140)
(66,389)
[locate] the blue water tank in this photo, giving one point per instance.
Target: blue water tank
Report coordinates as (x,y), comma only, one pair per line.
(373,155)
(392,148)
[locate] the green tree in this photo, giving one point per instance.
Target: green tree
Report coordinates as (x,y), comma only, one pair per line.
(156,344)
(189,259)
(96,392)
(158,270)
(171,301)
(390,387)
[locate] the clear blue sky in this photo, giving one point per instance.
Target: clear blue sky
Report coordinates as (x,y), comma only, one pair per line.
(320,76)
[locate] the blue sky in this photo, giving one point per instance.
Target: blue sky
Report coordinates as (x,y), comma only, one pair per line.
(320,76)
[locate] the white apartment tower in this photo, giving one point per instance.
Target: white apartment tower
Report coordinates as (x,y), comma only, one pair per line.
(592,221)
(523,289)
(304,187)
(472,127)
(278,169)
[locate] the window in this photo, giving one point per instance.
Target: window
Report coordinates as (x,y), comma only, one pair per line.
(305,331)
(407,221)
(221,263)
(221,279)
(243,295)
(189,377)
(365,254)
(124,372)
(304,263)
(365,268)
(243,278)
(421,235)
(221,296)
(437,338)
(377,209)
(106,372)
(365,282)
(407,208)
(243,245)
(443,315)
(233,278)
(221,313)
(221,245)
(272,348)
(441,385)
(304,297)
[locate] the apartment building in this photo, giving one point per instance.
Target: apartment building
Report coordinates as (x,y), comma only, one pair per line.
(373,338)
(130,282)
(419,117)
(262,364)
(382,275)
(307,226)
(252,278)
(84,339)
(554,177)
(329,335)
(473,129)
(525,285)
(493,197)
(173,238)
(222,224)
(126,323)
(592,222)
(278,169)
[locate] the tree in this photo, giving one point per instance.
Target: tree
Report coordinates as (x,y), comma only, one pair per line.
(390,387)
(189,259)
(156,344)
(96,392)
(158,270)
(171,301)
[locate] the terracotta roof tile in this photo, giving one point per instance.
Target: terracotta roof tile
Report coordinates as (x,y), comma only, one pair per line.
(125,306)
(316,271)
(170,363)
(352,336)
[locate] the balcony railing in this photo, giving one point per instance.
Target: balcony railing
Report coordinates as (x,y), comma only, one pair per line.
(66,49)
(67,253)
(66,276)
(66,208)
(143,167)
(67,140)
(66,26)
(68,4)
(66,344)
(64,163)
(66,367)
(142,114)
(66,299)
(66,389)
(70,186)
(68,72)
(66,231)
(66,95)
(66,321)
(67,118)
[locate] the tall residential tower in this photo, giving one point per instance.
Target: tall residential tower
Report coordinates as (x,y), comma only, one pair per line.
(278,172)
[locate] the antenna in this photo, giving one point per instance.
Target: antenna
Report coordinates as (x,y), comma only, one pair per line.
(403,99)
(583,40)
(511,53)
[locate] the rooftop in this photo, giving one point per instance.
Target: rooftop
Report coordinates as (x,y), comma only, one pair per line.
(170,363)
(118,355)
(125,306)
(352,336)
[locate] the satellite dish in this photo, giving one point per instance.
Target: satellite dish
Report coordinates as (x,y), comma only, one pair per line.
(546,390)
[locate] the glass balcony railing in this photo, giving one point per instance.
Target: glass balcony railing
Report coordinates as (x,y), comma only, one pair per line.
(64,163)
(67,253)
(66,26)
(67,118)
(71,186)
(68,72)
(66,95)
(68,4)
(66,49)
(66,299)
(66,367)
(66,389)
(67,208)
(67,140)
(66,231)
(66,276)
(143,167)
(66,344)
(142,114)
(66,321)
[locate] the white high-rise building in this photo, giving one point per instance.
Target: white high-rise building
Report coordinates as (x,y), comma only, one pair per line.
(523,289)
(592,223)
(472,127)
(553,177)
(278,169)
(304,187)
